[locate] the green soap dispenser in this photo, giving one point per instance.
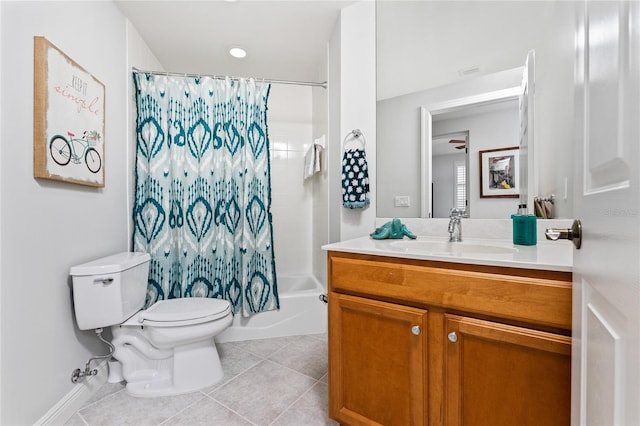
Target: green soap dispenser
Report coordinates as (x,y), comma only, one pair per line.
(524,227)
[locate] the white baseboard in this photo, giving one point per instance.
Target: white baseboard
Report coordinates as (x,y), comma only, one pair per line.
(60,413)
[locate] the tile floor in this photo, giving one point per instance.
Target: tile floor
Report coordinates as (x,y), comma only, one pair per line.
(280,381)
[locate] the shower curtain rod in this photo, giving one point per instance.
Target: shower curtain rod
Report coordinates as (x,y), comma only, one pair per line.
(221,77)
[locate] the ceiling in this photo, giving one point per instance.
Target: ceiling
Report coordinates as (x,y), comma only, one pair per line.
(285,40)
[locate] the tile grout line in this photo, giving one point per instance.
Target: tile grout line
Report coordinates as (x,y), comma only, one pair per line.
(219,385)
(230,409)
(315,382)
(295,371)
(263,356)
(82,418)
(104,398)
(294,402)
(185,408)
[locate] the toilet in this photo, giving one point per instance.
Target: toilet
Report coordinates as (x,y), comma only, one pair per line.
(167,349)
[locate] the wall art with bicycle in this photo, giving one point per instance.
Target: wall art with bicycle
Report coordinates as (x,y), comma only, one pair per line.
(69,112)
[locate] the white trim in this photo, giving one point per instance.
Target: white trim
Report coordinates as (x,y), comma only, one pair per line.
(496,95)
(75,399)
(426,172)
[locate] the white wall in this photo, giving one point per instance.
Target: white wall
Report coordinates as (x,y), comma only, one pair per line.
(425,44)
(49,226)
(357,89)
(138,56)
(334,140)
(290,134)
(488,130)
(554,109)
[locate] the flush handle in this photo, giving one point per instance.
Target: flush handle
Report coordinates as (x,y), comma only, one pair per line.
(574,233)
(104,280)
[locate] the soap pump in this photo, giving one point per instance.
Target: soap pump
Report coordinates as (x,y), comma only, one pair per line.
(524,227)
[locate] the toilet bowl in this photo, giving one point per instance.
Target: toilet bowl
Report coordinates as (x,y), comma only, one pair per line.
(167,349)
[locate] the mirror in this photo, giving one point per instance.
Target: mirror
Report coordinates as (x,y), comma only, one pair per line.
(432,55)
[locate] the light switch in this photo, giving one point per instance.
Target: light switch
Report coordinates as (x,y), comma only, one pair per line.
(402,201)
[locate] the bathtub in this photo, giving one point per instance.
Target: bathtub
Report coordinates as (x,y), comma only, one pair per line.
(301,312)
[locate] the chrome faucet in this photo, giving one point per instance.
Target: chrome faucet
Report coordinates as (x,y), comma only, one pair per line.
(455,225)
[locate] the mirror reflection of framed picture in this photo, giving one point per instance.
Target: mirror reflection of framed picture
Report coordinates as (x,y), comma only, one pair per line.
(499,173)
(69,114)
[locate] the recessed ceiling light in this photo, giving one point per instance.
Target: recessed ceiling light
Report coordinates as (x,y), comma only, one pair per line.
(237,52)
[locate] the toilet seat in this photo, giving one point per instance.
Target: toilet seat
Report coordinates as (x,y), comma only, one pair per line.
(184,311)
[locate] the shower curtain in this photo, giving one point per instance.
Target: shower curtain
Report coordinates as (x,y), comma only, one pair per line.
(202,206)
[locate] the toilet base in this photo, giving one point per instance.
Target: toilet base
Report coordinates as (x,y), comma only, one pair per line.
(195,366)
(115,371)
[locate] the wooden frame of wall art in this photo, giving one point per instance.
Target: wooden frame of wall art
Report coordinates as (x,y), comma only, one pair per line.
(500,173)
(68,119)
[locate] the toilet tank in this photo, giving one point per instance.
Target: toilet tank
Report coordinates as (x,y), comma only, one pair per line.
(109,290)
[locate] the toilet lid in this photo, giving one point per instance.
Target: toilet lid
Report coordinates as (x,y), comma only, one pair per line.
(189,309)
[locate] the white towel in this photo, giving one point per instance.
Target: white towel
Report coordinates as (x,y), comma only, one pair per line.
(312,161)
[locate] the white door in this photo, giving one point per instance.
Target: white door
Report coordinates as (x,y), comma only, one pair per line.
(606,307)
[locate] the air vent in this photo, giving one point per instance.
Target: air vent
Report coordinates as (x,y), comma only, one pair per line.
(464,72)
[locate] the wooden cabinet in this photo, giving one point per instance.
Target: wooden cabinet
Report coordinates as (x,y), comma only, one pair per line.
(501,375)
(379,354)
(432,343)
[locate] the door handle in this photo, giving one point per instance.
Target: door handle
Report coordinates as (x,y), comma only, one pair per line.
(574,233)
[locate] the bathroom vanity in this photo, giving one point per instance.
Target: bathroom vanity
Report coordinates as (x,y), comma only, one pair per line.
(475,334)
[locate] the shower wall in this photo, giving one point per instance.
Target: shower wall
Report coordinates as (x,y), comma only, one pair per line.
(290,121)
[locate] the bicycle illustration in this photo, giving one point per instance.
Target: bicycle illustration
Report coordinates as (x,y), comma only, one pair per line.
(66,149)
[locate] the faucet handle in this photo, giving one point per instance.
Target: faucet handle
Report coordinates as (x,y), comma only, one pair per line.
(455,212)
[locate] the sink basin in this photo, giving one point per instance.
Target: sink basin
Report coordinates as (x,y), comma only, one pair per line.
(445,247)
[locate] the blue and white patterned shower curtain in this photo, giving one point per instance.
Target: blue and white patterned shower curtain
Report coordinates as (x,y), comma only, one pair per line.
(202,205)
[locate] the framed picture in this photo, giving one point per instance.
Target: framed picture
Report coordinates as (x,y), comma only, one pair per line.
(500,173)
(68,119)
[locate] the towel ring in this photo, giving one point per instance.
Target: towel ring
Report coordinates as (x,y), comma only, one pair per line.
(354,134)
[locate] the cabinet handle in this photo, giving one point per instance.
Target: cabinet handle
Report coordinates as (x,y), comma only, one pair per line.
(453,337)
(415,330)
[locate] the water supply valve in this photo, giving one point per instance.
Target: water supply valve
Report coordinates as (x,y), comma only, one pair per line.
(78,374)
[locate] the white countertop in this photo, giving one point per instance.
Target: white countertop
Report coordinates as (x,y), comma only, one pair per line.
(546,255)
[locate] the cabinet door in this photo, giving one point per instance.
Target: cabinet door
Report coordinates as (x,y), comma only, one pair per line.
(497,374)
(377,362)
